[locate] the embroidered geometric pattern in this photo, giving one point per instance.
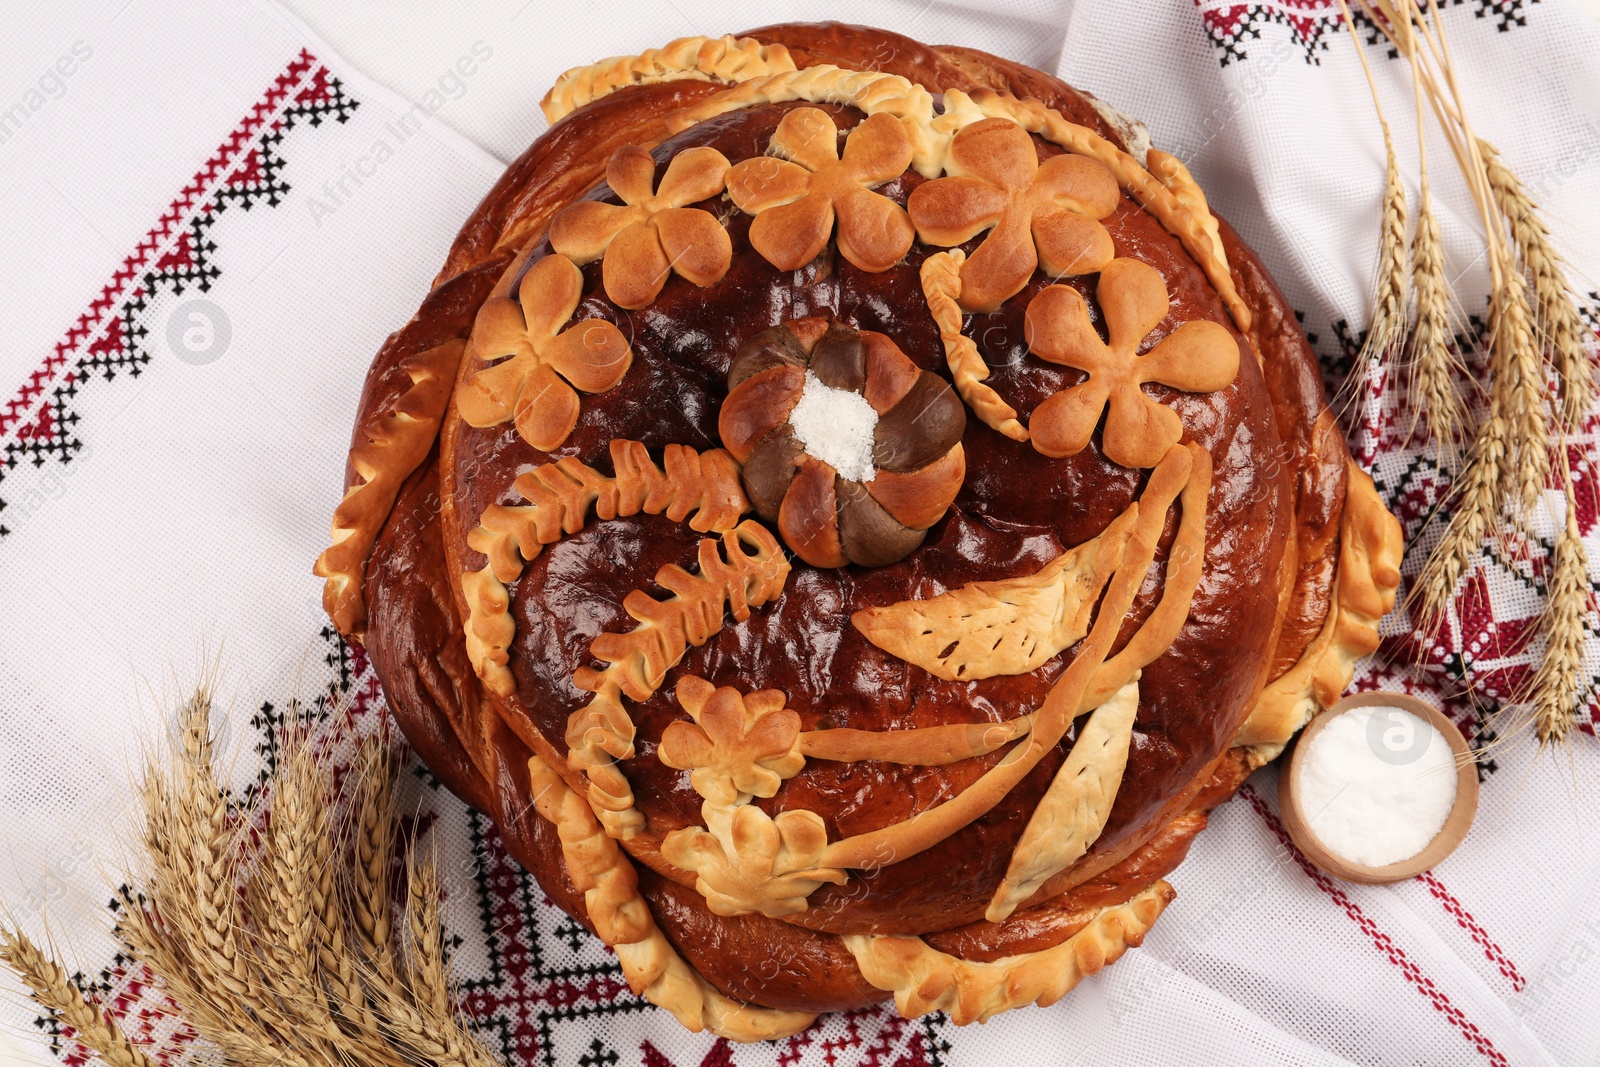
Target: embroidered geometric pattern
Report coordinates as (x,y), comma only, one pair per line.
(1484,654)
(41,424)
(1230,27)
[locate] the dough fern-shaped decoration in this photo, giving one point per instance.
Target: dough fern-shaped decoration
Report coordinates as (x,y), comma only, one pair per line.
(704,485)
(601,732)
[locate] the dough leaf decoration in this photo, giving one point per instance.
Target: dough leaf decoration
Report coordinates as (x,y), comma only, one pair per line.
(1074,810)
(1009,626)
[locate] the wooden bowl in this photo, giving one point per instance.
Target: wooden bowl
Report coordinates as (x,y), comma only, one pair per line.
(1444,842)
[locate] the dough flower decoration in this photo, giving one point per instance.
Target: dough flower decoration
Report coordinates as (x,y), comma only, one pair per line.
(764,864)
(851,448)
(740,746)
(532,386)
(1037,214)
(1199,356)
(804,187)
(654,232)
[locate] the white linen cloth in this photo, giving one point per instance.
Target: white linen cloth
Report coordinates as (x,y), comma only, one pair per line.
(179,374)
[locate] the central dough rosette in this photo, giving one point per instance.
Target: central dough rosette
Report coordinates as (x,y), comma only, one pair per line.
(847,445)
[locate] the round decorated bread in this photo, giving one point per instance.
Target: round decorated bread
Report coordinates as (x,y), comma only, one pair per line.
(848,509)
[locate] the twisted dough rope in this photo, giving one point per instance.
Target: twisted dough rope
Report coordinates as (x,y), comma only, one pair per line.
(941,286)
(396,444)
(923,979)
(621,917)
(559,497)
(724,59)
(600,734)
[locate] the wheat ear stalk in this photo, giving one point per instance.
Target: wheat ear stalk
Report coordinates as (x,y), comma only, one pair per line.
(280,901)
(1432,384)
(374,832)
(305,972)
(1517,391)
(1386,332)
(66,1002)
(191,927)
(1553,690)
(1433,364)
(430,978)
(1558,322)
(1477,493)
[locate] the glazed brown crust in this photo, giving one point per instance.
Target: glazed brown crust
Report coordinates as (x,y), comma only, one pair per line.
(415,636)
(574,590)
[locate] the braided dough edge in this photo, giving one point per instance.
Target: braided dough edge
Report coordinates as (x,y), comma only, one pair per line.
(923,979)
(622,918)
(396,443)
(723,59)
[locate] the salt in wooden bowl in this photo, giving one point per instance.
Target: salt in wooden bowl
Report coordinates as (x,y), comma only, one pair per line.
(1456,824)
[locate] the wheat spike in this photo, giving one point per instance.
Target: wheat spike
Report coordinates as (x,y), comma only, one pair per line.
(374,833)
(1389,314)
(1386,331)
(303,973)
(1477,507)
(281,902)
(430,978)
(1553,691)
(50,987)
(1517,390)
(190,846)
(337,959)
(1433,387)
(418,1009)
(1558,321)
(1510,454)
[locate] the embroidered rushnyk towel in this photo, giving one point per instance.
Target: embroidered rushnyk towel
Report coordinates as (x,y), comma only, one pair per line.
(212,221)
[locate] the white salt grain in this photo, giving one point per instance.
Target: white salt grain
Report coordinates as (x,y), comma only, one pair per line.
(836,426)
(1377,784)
